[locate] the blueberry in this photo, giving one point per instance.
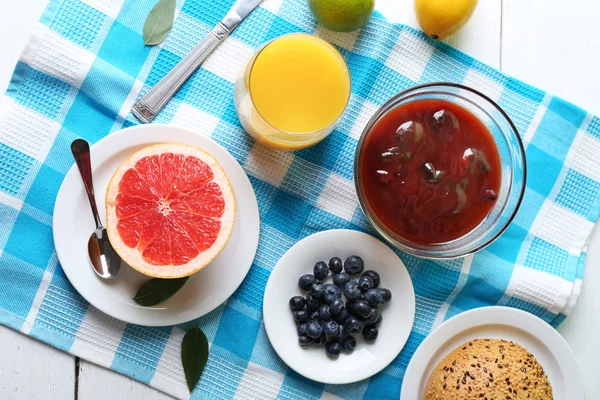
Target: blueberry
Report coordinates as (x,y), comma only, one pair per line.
(342,316)
(304,340)
(349,344)
(386,295)
(300,316)
(341,279)
(317,290)
(354,265)
(332,292)
(320,340)
(375,315)
(306,281)
(314,316)
(351,290)
(297,303)
(353,326)
(312,303)
(331,329)
(373,275)
(374,297)
(342,334)
(302,328)
(370,332)
(379,319)
(350,304)
(336,265)
(365,283)
(336,306)
(332,289)
(314,329)
(321,270)
(325,312)
(333,348)
(362,309)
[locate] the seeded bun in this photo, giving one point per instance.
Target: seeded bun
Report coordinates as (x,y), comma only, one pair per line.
(487,369)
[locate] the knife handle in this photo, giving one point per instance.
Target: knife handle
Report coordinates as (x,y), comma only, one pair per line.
(147,107)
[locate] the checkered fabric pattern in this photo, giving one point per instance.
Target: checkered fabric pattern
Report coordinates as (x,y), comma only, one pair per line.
(81,72)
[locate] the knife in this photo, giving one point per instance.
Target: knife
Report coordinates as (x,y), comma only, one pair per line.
(146,108)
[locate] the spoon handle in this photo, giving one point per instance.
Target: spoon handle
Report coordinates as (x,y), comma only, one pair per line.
(81,151)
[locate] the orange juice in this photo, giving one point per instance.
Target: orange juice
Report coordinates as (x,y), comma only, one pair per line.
(293,92)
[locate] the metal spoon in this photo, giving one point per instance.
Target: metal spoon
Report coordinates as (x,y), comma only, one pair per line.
(104,259)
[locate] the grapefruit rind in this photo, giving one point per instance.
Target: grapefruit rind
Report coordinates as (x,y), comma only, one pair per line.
(131,255)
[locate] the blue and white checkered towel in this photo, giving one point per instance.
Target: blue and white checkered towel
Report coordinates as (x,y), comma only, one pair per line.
(79,76)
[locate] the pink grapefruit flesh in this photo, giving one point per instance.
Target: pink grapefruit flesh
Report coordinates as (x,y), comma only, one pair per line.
(170,210)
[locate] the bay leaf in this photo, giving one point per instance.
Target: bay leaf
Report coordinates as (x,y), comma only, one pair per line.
(194,355)
(156,290)
(159,22)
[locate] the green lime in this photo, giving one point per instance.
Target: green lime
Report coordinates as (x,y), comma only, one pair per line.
(342,15)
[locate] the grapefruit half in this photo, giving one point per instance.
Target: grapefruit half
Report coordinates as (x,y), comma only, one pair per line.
(170,210)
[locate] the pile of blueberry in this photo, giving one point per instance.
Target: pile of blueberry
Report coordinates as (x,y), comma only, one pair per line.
(322,317)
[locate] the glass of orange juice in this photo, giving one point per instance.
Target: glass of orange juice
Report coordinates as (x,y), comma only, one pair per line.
(293,92)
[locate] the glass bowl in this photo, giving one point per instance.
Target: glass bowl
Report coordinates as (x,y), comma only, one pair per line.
(512,158)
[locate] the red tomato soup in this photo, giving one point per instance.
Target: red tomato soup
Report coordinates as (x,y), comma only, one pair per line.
(430,171)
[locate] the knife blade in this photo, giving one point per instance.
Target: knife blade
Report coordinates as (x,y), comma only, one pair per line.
(149,105)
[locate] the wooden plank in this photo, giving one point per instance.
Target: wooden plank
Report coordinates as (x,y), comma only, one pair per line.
(581,328)
(480,38)
(32,370)
(100,383)
(554,44)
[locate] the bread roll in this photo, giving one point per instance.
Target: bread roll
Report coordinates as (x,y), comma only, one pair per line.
(487,369)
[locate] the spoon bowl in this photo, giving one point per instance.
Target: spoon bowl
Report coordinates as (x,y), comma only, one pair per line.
(104,258)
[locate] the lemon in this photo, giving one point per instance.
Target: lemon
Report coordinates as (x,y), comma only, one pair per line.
(342,15)
(442,18)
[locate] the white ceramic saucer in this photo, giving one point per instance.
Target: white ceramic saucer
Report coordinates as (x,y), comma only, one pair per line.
(545,343)
(368,358)
(205,290)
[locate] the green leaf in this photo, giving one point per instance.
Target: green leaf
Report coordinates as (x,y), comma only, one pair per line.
(194,355)
(157,290)
(159,22)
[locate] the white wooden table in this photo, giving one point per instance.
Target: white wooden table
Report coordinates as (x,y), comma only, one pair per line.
(552,44)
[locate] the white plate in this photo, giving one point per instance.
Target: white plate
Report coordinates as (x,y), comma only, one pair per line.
(368,358)
(539,338)
(205,290)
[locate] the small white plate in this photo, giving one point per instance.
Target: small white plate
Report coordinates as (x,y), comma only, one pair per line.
(368,358)
(205,290)
(539,338)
